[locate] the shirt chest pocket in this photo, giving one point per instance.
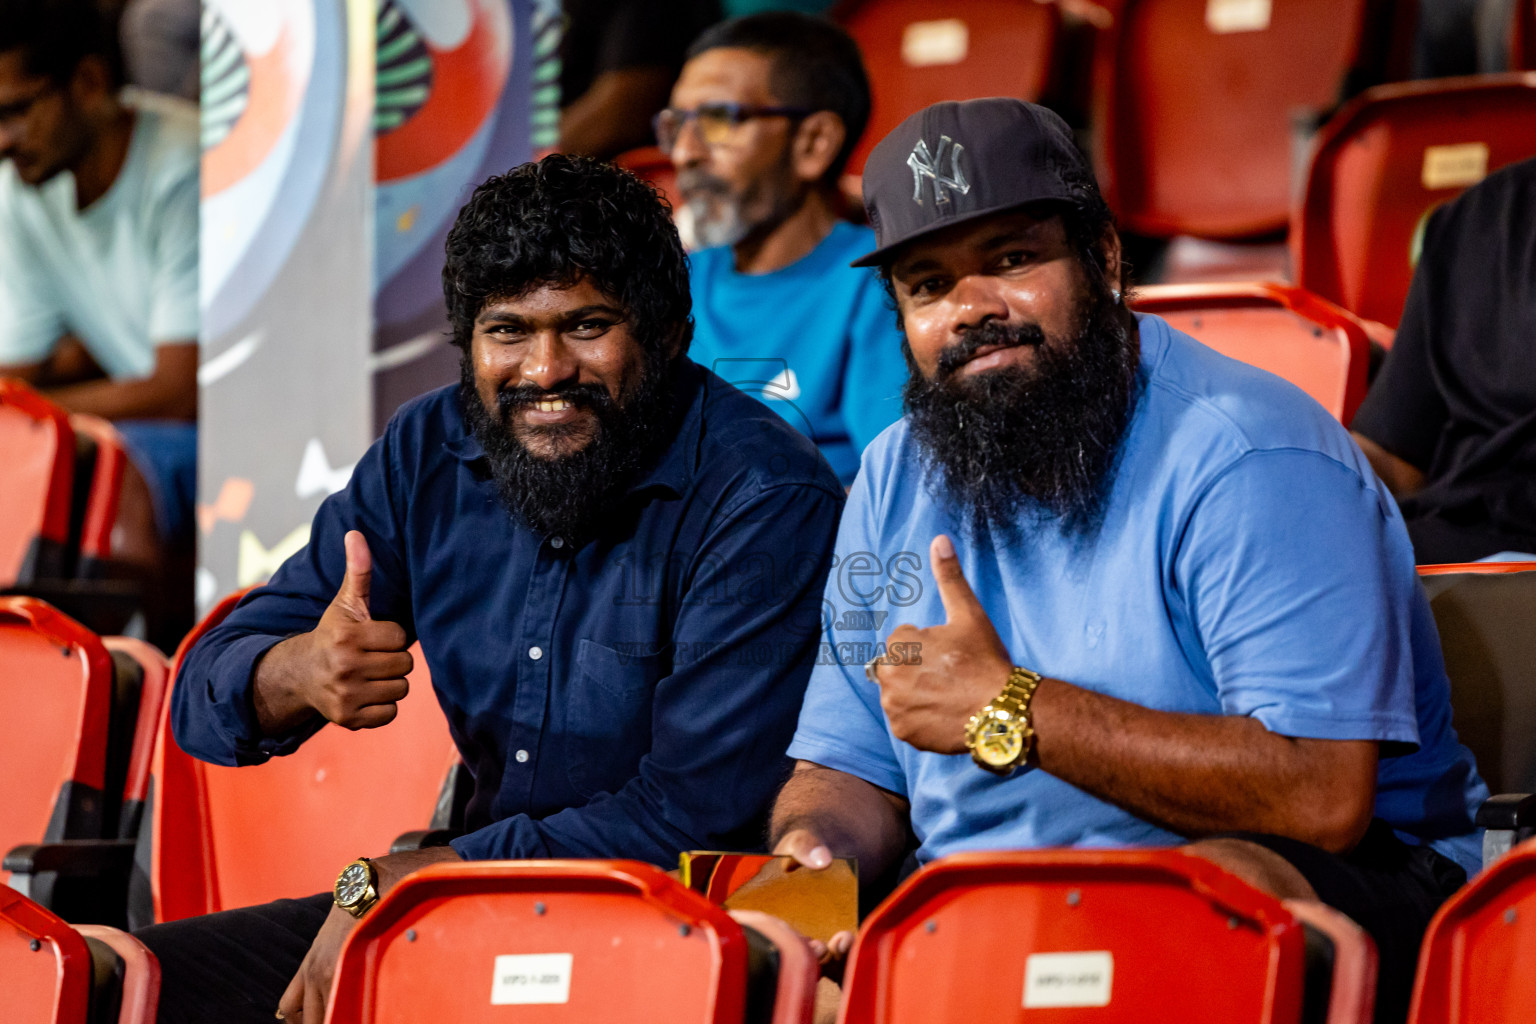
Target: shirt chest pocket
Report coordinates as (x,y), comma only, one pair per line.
(608,715)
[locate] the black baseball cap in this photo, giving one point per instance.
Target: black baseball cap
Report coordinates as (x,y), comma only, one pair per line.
(955,162)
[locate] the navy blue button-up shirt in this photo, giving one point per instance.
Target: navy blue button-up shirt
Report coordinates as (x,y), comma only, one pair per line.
(653,676)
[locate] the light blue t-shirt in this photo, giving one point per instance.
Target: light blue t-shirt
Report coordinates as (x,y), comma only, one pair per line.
(816,341)
(1249,563)
(121,274)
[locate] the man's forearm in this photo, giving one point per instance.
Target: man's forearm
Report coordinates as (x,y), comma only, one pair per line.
(1201,774)
(1401,476)
(126,399)
(277,687)
(169,392)
(852,817)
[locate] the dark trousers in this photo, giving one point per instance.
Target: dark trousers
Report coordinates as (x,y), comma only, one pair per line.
(233,966)
(1387,887)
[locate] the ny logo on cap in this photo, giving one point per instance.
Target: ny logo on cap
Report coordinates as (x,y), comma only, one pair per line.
(927,165)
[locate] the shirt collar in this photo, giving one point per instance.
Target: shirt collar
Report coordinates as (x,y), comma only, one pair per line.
(673,470)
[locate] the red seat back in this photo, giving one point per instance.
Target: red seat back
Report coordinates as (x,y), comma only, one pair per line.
(918,53)
(56,703)
(47,968)
(1195,100)
(232,837)
(1383,163)
(155,681)
(1475,963)
(563,940)
(794,993)
(140,996)
(1107,935)
(46,982)
(37,462)
(1352,988)
(106,489)
(1293,334)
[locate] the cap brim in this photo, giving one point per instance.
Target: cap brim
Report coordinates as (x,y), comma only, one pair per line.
(887,253)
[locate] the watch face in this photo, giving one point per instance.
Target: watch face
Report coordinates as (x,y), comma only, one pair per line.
(999,742)
(352,885)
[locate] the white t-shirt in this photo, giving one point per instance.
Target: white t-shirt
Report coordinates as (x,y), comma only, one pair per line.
(120,275)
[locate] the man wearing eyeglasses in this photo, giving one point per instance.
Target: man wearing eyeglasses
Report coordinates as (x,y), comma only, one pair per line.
(98,253)
(761,123)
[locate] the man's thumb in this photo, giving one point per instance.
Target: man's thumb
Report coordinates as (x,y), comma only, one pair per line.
(960,602)
(353,595)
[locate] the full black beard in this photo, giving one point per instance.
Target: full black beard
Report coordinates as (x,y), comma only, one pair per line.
(1029,443)
(572,495)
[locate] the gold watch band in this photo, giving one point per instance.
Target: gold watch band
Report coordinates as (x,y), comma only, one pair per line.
(1010,710)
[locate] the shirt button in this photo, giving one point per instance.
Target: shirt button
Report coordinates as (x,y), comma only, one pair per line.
(522,756)
(535,653)
(557,542)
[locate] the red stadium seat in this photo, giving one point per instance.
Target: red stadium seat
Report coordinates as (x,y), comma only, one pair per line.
(154,681)
(565,940)
(106,485)
(1103,935)
(37,460)
(1195,101)
(918,53)
(794,997)
(55,974)
(1322,349)
(232,837)
(1383,163)
(1476,961)
(45,963)
(56,681)
(139,994)
(1352,989)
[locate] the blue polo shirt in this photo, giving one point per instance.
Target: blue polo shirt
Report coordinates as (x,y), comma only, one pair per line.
(652,676)
(1249,563)
(816,340)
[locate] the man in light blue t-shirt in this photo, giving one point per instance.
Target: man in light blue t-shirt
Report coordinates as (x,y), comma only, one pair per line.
(98,257)
(760,125)
(1175,573)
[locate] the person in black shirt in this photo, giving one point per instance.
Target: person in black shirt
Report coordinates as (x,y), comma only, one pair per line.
(618,60)
(1450,425)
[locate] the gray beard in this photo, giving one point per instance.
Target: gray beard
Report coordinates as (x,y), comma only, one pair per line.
(708,221)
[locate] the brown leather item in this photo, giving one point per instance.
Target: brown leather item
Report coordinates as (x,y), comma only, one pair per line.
(817,904)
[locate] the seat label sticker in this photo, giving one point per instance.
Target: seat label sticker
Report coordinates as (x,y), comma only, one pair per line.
(524,979)
(1223,16)
(927,43)
(1455,166)
(1068,979)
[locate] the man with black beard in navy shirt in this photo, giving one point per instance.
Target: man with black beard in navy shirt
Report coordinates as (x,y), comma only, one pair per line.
(613,562)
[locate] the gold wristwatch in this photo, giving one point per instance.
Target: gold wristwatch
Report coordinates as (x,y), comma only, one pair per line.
(1001,736)
(357,887)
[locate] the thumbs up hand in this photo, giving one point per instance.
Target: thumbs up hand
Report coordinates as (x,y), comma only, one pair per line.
(933,680)
(350,669)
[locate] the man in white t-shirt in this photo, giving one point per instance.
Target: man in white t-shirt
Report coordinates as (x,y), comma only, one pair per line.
(98,252)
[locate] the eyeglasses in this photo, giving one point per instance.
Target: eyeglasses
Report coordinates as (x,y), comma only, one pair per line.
(716,121)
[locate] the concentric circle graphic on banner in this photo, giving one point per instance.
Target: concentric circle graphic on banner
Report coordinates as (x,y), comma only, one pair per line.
(442,67)
(272,86)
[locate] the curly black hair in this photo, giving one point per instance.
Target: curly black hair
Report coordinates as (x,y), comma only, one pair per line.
(562,218)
